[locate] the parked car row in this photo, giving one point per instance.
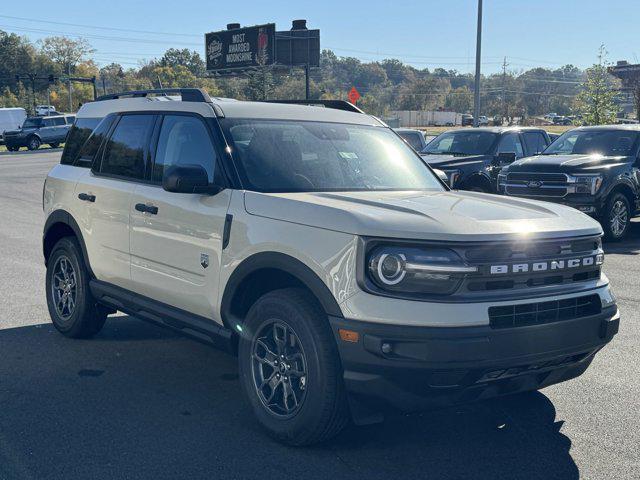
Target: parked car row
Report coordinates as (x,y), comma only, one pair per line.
(594,169)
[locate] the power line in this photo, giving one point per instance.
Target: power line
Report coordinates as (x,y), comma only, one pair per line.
(100,27)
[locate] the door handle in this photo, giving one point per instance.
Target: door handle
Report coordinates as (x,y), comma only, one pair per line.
(85,197)
(141,207)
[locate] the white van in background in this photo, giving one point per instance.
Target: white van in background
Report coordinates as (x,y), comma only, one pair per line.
(11,119)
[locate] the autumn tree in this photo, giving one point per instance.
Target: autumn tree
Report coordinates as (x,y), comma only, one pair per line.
(596,99)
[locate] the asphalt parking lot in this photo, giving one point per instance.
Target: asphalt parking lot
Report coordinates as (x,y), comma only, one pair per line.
(138,401)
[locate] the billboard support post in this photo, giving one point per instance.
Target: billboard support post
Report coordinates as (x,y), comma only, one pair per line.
(306,82)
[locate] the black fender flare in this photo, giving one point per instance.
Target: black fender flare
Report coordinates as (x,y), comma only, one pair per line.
(286,263)
(64,217)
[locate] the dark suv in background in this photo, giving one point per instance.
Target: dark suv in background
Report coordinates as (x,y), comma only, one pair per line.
(594,169)
(36,131)
(472,158)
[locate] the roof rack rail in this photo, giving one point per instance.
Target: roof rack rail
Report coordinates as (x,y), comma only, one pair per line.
(335,104)
(187,94)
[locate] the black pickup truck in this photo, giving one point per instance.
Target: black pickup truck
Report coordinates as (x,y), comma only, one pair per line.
(472,157)
(594,169)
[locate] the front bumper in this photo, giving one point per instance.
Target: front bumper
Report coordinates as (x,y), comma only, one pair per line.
(590,204)
(15,141)
(430,367)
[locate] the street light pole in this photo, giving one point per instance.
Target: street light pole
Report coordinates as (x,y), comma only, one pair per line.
(476,96)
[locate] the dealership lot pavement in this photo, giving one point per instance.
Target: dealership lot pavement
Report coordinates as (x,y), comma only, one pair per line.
(138,401)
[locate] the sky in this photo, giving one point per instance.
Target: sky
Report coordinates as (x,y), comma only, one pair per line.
(426,33)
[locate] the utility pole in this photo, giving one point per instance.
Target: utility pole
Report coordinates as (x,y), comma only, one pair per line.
(69,87)
(505,107)
(476,96)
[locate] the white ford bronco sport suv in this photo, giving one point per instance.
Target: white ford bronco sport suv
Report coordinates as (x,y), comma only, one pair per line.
(315,244)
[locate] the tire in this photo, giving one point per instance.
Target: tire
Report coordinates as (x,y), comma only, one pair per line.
(13,149)
(315,408)
(80,317)
(54,145)
(33,143)
(616,217)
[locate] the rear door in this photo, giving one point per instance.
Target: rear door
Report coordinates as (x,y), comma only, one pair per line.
(105,193)
(47,131)
(60,130)
(176,244)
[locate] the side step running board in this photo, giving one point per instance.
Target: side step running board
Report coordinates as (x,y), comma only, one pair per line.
(160,313)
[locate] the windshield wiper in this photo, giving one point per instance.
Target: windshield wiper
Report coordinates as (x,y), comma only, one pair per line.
(451,153)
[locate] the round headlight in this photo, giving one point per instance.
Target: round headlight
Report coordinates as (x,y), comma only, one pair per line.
(391,268)
(415,270)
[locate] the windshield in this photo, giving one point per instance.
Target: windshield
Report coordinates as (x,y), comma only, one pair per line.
(32,122)
(294,156)
(609,143)
(462,142)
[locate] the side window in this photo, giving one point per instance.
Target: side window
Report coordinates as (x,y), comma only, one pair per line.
(57,121)
(511,143)
(183,140)
(77,136)
(124,153)
(70,119)
(535,142)
(91,146)
(48,122)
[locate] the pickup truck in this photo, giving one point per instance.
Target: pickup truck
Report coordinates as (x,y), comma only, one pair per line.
(472,158)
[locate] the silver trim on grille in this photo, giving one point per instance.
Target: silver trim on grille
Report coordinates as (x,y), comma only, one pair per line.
(568,186)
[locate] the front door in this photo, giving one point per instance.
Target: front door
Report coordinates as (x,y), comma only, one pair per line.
(176,238)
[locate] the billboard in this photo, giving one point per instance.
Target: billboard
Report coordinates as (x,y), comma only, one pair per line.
(241,47)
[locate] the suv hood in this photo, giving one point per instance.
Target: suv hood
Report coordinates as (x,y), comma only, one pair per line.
(438,215)
(567,163)
(452,161)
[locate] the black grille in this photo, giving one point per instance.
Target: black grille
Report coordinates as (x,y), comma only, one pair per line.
(551,184)
(531,251)
(522,315)
(541,177)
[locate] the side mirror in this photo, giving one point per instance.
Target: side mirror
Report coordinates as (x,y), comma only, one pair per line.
(188,179)
(442,176)
(504,158)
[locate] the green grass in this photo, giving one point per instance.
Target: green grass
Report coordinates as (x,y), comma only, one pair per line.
(3,148)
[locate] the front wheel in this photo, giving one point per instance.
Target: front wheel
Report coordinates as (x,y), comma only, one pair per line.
(616,217)
(33,143)
(73,310)
(290,368)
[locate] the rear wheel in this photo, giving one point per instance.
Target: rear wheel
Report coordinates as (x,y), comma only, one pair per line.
(33,143)
(290,369)
(616,217)
(73,310)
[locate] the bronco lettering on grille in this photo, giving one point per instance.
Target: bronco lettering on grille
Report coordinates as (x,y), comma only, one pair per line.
(551,265)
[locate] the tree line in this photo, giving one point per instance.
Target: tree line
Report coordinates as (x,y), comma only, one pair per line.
(385,85)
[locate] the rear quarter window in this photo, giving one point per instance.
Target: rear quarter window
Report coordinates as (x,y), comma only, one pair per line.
(78,135)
